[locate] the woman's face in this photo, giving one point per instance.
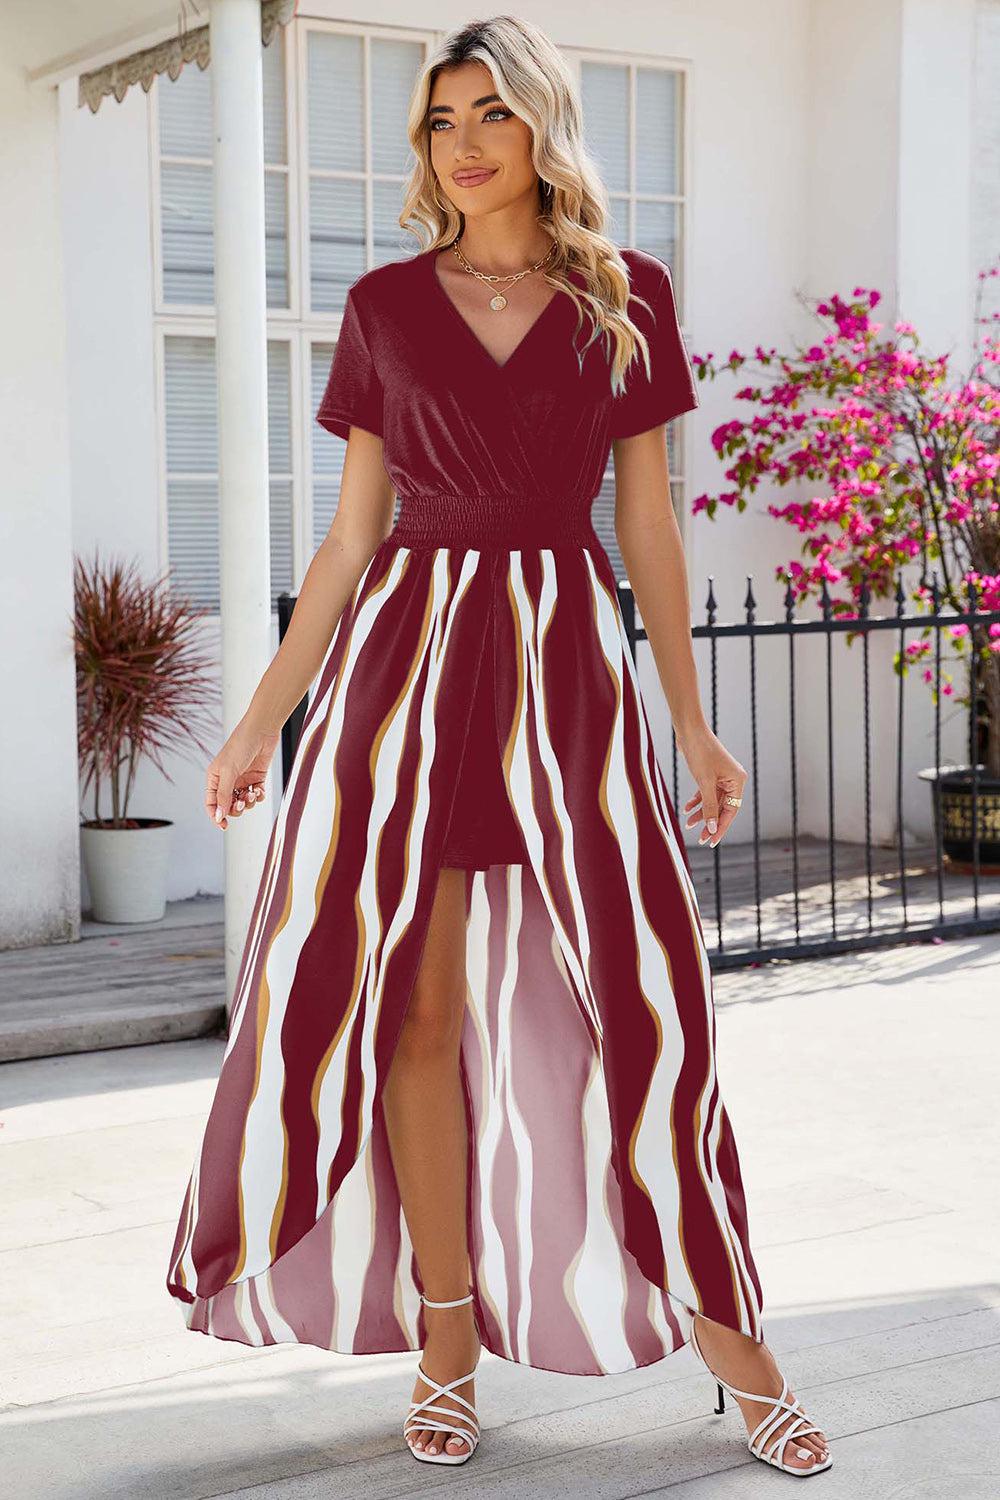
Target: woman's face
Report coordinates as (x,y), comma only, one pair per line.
(480,152)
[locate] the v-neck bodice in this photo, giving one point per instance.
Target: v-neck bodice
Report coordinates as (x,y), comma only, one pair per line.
(484,453)
(536,325)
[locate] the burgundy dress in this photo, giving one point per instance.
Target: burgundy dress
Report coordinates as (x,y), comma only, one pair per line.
(478,705)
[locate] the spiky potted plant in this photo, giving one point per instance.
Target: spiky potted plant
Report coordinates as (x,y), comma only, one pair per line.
(905,465)
(142,685)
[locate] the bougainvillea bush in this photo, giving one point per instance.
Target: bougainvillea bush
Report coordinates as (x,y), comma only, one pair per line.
(902,456)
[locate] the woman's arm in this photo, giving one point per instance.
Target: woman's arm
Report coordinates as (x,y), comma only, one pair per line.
(650,544)
(363,519)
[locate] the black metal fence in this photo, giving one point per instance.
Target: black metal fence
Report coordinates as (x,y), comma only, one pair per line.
(801,893)
(847,895)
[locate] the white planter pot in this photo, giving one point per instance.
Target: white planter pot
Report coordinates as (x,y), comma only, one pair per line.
(126,870)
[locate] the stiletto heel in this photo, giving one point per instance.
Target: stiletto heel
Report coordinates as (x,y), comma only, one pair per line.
(415,1422)
(760,1441)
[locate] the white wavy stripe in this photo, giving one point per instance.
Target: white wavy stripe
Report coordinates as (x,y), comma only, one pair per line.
(714,1185)
(406,1297)
(521,787)
(658,792)
(520,1134)
(282,1331)
(599,1270)
(491,1272)
(653,1158)
(656,1313)
(371,992)
(352,1232)
(548,595)
(261,1171)
(402,914)
(612,629)
(184,1266)
(331,1086)
(244,1314)
(315,710)
(352,1246)
(750,1321)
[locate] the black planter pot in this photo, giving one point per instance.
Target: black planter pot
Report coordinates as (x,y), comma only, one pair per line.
(951,787)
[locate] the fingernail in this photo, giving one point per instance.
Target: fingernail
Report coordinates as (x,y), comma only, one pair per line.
(712,825)
(418,1445)
(219,815)
(240,805)
(804,1452)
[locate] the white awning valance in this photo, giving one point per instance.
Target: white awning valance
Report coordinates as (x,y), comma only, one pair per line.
(170,56)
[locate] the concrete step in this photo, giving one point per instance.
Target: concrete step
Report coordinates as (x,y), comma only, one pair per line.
(119,986)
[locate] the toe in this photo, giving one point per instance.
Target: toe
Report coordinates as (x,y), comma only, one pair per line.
(799,1452)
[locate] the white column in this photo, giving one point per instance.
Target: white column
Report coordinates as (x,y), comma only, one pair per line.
(241,362)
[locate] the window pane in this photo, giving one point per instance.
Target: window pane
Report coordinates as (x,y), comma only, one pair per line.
(327,450)
(603,517)
(616,226)
(336,240)
(280,501)
(657,229)
(394,67)
(336,120)
(279,406)
(604,90)
(656,131)
(188,241)
(276,237)
(184,104)
(185,108)
(191,424)
(273,63)
(192,449)
(392,242)
(193,539)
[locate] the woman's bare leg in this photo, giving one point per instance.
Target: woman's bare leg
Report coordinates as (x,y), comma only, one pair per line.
(425,1120)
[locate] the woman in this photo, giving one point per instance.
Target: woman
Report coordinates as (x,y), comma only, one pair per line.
(469,1094)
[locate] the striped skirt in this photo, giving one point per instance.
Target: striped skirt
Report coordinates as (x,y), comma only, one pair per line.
(605,1202)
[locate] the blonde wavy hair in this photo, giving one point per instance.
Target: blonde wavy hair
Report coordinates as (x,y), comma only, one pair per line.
(533,81)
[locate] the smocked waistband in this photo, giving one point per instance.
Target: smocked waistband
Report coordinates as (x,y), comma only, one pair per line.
(444,519)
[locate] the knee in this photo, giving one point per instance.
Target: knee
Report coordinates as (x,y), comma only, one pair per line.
(432,1027)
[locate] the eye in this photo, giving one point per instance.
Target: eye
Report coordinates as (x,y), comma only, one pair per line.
(497,111)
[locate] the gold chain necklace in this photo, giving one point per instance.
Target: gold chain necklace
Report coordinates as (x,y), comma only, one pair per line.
(498,301)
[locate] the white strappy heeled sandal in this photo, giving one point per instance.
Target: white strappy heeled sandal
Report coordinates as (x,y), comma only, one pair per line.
(760,1441)
(415,1422)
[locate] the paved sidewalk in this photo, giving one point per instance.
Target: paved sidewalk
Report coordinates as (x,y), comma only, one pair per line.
(863,1093)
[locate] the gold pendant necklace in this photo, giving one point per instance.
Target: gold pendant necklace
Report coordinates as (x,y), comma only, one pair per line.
(498,301)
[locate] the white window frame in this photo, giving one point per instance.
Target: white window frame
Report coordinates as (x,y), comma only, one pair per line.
(575,57)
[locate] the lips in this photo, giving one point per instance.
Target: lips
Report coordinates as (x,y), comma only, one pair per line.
(473,179)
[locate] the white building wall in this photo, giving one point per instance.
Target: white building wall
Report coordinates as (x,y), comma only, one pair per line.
(113,422)
(39,841)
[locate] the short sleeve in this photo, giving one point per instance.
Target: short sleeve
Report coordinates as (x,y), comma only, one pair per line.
(353,394)
(669,389)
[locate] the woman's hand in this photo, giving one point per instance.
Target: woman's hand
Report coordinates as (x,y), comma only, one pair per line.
(717,773)
(235,779)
